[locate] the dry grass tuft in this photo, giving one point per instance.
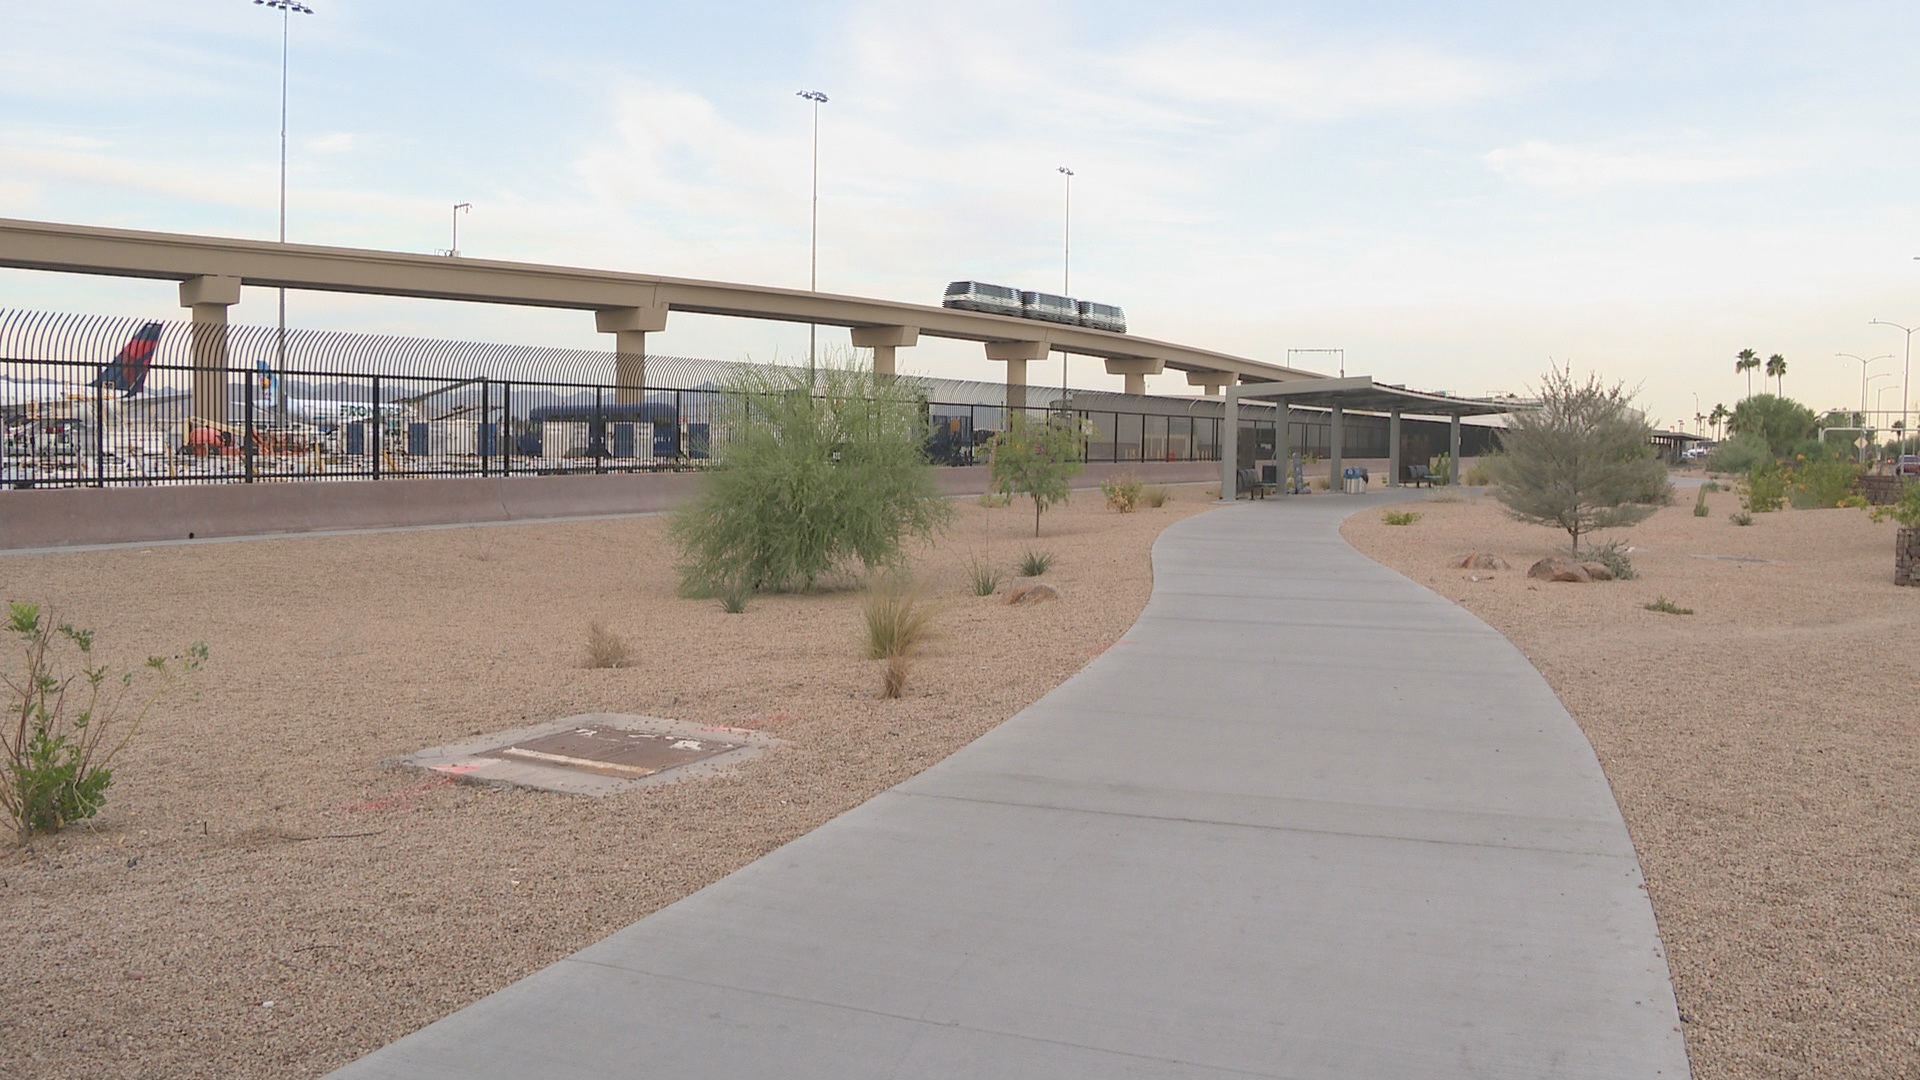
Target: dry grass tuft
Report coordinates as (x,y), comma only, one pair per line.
(606,649)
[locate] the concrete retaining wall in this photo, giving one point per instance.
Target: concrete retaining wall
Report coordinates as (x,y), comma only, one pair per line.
(62,517)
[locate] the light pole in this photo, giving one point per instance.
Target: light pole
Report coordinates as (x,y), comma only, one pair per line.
(1863,372)
(454,251)
(813,257)
(1906,373)
(1066,267)
(286,8)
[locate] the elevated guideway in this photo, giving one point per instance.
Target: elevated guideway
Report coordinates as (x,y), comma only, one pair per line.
(211,271)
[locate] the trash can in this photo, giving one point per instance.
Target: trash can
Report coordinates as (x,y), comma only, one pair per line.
(1351,482)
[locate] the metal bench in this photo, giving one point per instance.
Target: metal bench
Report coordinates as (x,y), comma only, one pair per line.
(1249,481)
(1419,475)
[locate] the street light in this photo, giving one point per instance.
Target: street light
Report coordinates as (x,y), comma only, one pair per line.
(1066,268)
(454,251)
(813,259)
(286,8)
(1907,372)
(1863,372)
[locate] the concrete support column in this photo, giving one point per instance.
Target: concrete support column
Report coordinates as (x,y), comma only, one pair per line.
(1453,450)
(883,340)
(630,327)
(1016,355)
(1393,448)
(1335,438)
(1283,446)
(1229,446)
(1136,371)
(209,297)
(1212,380)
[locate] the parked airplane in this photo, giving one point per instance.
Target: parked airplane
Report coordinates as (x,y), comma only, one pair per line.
(120,378)
(321,412)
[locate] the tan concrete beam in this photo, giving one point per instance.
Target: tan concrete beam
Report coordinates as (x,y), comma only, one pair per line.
(1016,355)
(630,327)
(1136,370)
(883,340)
(209,297)
(1212,380)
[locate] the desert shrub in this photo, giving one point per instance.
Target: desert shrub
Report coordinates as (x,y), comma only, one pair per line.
(1036,459)
(984,577)
(897,618)
(733,598)
(606,649)
(1156,495)
(1740,517)
(1480,475)
(1700,504)
(1779,422)
(1035,563)
(1711,485)
(1819,483)
(1582,461)
(1441,469)
(65,725)
(1400,517)
(1905,510)
(804,484)
(1766,489)
(1123,492)
(1740,454)
(1668,607)
(1613,556)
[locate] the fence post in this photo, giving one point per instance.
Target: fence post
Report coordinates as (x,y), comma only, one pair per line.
(246,424)
(374,430)
(100,440)
(486,414)
(597,434)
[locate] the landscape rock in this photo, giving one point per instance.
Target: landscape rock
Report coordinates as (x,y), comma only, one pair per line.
(1031,592)
(1597,571)
(1558,568)
(1480,560)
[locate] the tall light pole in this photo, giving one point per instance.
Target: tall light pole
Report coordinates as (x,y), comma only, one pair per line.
(1066,268)
(813,256)
(1905,375)
(454,251)
(1863,372)
(286,8)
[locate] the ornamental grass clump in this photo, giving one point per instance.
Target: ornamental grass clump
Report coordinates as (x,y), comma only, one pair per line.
(898,621)
(65,725)
(606,649)
(1035,563)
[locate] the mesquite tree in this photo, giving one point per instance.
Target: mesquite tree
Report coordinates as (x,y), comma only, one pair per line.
(1583,461)
(1037,458)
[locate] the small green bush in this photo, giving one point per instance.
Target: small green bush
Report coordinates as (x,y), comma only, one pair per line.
(1613,556)
(62,731)
(1400,517)
(1441,469)
(1822,482)
(1766,489)
(1739,454)
(1740,517)
(984,577)
(1123,492)
(1669,607)
(1156,495)
(1035,563)
(1711,485)
(1700,504)
(1905,510)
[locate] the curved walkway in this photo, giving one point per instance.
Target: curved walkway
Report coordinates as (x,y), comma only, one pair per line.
(1306,819)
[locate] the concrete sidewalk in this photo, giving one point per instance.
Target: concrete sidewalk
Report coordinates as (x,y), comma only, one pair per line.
(1223,849)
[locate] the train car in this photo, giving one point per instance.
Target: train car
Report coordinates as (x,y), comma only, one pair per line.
(1039,306)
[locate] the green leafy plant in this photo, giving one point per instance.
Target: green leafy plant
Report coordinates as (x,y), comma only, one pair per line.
(1821,482)
(1400,517)
(1740,517)
(1035,563)
(1739,454)
(1583,461)
(984,577)
(1036,459)
(806,480)
(1711,485)
(1613,556)
(1766,489)
(606,649)
(1156,495)
(1123,492)
(63,728)
(1779,422)
(1905,510)
(1669,607)
(1700,504)
(1441,469)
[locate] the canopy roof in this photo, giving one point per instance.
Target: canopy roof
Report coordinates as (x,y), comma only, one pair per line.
(1360,392)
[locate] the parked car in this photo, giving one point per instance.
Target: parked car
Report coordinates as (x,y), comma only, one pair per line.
(1909,465)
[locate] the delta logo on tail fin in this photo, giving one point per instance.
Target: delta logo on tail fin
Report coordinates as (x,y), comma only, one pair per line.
(267,381)
(128,370)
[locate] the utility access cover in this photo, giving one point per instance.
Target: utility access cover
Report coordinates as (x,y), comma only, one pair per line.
(594,754)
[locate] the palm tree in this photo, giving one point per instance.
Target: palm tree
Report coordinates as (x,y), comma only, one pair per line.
(1777,370)
(1717,417)
(1746,361)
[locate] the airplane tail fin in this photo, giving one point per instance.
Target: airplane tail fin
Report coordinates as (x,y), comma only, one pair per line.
(127,372)
(266,382)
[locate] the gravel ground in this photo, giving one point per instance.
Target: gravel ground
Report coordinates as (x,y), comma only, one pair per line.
(261,897)
(1762,751)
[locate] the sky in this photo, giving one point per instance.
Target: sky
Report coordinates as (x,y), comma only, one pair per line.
(1458,196)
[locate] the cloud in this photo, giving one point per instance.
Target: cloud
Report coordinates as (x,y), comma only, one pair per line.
(338,142)
(1569,169)
(1313,84)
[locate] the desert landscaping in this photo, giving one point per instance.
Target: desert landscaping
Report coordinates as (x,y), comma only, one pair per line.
(264,895)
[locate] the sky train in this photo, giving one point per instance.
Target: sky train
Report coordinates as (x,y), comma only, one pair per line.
(1045,307)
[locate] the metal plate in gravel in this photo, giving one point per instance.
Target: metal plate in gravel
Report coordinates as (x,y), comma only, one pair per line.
(612,751)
